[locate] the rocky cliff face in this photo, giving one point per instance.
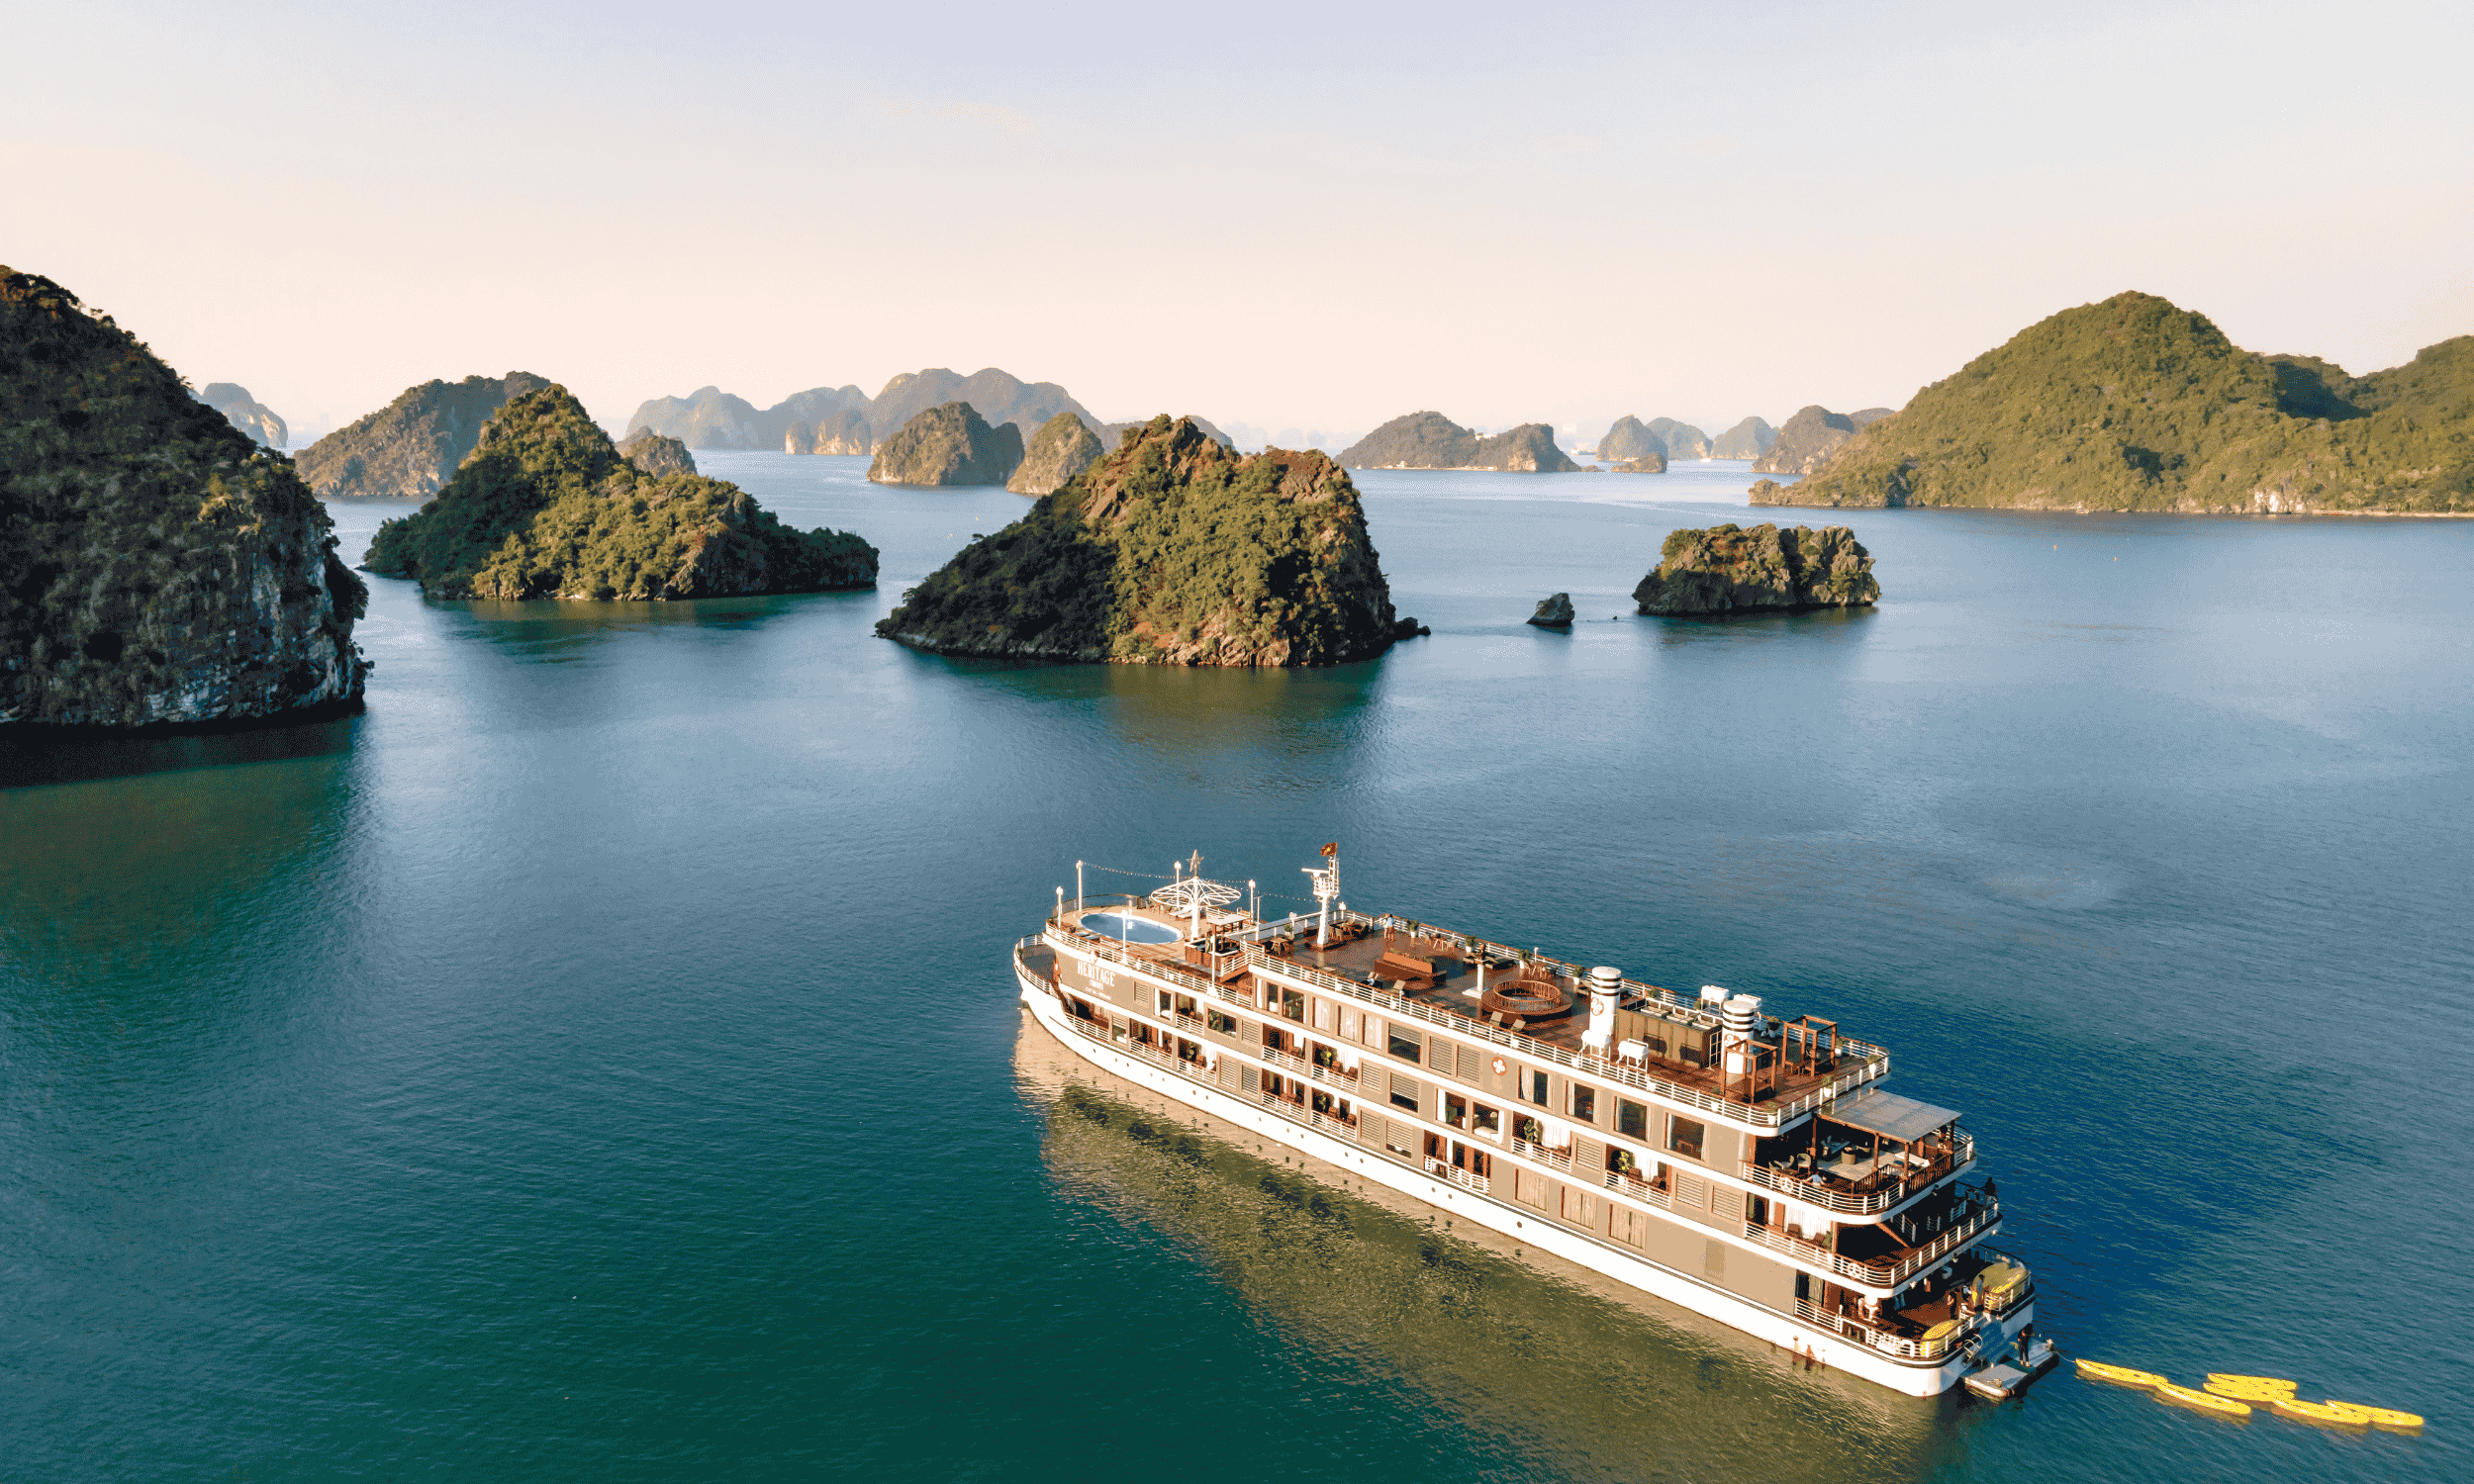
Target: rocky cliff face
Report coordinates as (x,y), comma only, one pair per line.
(1170,550)
(1810,436)
(156,565)
(1430,441)
(996,395)
(950,444)
(656,455)
(841,433)
(2135,404)
(409,448)
(1728,569)
(1629,439)
(247,413)
(547,506)
(1681,440)
(1747,440)
(1062,449)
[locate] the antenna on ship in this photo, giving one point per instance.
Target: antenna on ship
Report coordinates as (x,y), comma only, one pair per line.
(1326,890)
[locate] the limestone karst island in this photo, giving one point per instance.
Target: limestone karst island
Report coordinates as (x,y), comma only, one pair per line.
(160,567)
(1170,550)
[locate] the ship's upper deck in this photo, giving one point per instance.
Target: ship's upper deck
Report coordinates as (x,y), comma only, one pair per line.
(1661,1042)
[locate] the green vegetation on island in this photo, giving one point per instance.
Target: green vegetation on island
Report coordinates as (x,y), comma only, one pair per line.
(950,444)
(1062,449)
(1811,436)
(2134,405)
(410,448)
(547,506)
(157,566)
(1174,550)
(1728,569)
(657,455)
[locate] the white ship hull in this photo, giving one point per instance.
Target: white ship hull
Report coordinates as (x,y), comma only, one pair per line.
(1918,1378)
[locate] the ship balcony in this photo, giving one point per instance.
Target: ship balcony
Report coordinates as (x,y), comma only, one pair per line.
(1883,1256)
(1846,1177)
(1979,1284)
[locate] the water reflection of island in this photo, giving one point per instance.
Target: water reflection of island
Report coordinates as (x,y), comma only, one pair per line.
(1587,1378)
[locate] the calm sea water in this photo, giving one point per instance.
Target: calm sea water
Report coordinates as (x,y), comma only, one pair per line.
(599,1061)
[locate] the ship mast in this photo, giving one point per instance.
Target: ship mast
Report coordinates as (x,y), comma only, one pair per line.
(1326,889)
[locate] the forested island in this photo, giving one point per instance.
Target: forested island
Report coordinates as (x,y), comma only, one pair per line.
(1430,441)
(1811,436)
(2133,404)
(1727,569)
(547,506)
(160,567)
(950,444)
(1170,549)
(410,448)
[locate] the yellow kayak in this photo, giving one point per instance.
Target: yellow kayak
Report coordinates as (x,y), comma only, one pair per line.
(2321,1413)
(2378,1417)
(2247,1388)
(2168,1392)
(2121,1375)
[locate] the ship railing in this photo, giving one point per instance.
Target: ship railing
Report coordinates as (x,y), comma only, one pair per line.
(1277,1057)
(1873,1059)
(1882,1273)
(1333,1124)
(1551,1158)
(1458,1176)
(1888,1342)
(1187,1023)
(1638,1189)
(1836,1196)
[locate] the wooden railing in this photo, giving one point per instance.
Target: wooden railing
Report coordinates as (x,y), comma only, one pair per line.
(1819,1192)
(1881,1339)
(1879,1272)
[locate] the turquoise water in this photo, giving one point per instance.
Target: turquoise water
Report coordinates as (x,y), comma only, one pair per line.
(599,1061)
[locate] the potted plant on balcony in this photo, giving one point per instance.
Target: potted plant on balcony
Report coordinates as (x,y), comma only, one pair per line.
(1529,1132)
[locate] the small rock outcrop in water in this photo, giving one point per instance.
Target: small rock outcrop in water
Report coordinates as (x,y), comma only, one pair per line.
(657,455)
(1430,441)
(1170,550)
(1747,440)
(157,566)
(1062,449)
(1652,462)
(1554,613)
(1728,569)
(1811,436)
(410,448)
(547,507)
(247,413)
(2134,404)
(948,445)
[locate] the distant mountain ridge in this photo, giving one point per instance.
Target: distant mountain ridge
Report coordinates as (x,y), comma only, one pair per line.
(1812,436)
(411,448)
(245,413)
(1431,440)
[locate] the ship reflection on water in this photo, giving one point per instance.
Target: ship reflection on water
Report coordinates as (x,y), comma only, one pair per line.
(1587,1377)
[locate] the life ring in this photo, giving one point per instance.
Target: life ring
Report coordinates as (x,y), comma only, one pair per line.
(1498,1067)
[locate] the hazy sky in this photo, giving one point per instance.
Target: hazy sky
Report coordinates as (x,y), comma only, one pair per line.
(1313,216)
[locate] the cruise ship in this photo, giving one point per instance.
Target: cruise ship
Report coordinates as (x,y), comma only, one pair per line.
(1748,1168)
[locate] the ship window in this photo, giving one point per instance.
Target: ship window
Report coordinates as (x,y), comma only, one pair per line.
(1538,1088)
(1455,1110)
(1187,1051)
(1404,1093)
(1580,1207)
(1226,1025)
(1405,1045)
(1627,1226)
(1632,1119)
(1486,1120)
(1164,1002)
(1584,1103)
(1184,1004)
(1529,1188)
(1348,1024)
(1322,1015)
(1684,1136)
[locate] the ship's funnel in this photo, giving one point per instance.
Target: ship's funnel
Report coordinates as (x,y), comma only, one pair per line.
(1606,991)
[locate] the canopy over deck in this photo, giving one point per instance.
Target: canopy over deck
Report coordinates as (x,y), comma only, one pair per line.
(1902,1120)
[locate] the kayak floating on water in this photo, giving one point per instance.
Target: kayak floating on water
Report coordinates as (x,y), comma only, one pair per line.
(2379,1417)
(2246,1388)
(2201,1401)
(2321,1413)
(2121,1375)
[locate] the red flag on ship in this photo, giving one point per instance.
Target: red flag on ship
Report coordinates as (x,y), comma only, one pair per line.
(1331,850)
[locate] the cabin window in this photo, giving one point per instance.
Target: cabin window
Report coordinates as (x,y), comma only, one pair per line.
(1529,1188)
(1632,1119)
(1293,1004)
(1186,1005)
(1627,1226)
(1538,1088)
(1486,1120)
(1348,1024)
(1187,1051)
(1405,1045)
(1580,1207)
(1804,1286)
(1405,1094)
(1116,1028)
(1455,1110)
(1165,1001)
(1322,1015)
(1226,1025)
(1584,1103)
(1684,1136)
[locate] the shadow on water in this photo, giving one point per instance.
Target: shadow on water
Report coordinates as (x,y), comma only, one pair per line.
(1195,712)
(35,756)
(1568,1373)
(542,622)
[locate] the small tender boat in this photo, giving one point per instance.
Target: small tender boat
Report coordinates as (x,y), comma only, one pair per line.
(2321,1413)
(2379,1417)
(2201,1401)
(2121,1375)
